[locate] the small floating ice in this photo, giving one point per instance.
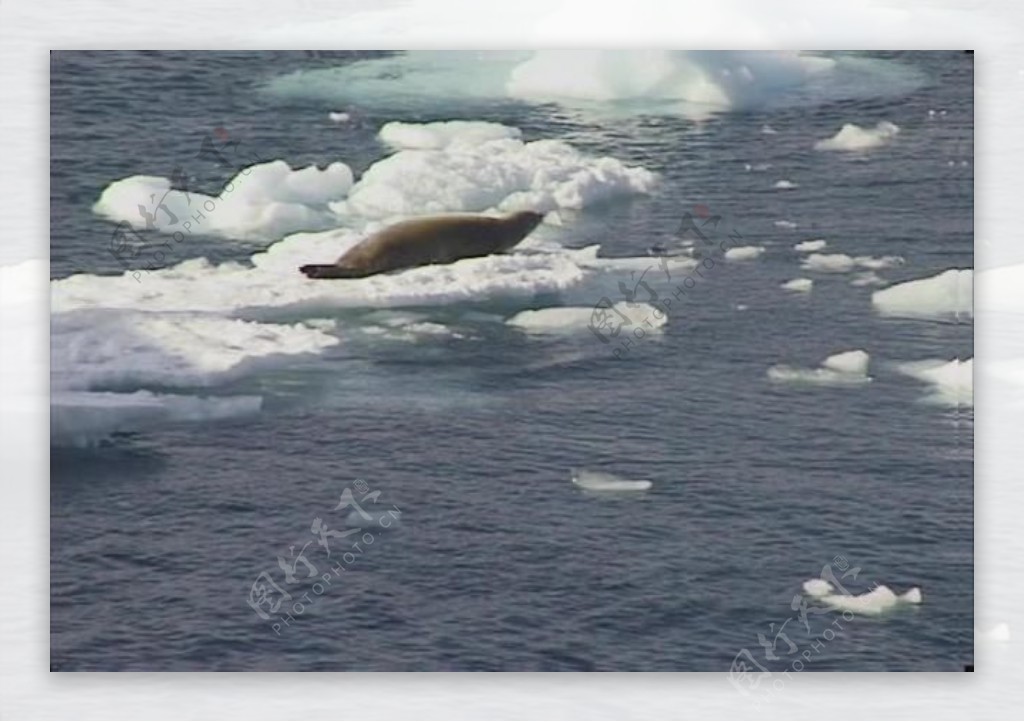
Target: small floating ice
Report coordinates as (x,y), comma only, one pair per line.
(878,600)
(852,137)
(744,253)
(842,263)
(785,185)
(768,130)
(800,285)
(789,225)
(339,117)
(575,319)
(757,167)
(599,481)
(810,246)
(842,369)
(869,278)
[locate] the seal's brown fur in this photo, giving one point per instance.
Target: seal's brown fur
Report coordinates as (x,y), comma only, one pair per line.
(429,240)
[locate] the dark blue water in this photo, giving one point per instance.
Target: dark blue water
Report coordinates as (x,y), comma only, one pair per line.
(497,562)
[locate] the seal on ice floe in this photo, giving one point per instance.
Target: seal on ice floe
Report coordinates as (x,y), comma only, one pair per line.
(429,240)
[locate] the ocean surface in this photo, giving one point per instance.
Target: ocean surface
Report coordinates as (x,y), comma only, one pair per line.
(209,416)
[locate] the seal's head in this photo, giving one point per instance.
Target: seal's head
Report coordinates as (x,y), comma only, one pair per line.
(518,226)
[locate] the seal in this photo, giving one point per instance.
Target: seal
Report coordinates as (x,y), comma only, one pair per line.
(429,240)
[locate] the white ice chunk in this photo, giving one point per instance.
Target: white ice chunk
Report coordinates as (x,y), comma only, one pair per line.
(600,481)
(744,253)
(828,263)
(878,600)
(434,136)
(788,225)
(853,137)
(842,369)
(800,285)
(575,319)
(817,587)
(810,246)
(952,381)
(945,294)
(785,185)
(263,201)
(842,263)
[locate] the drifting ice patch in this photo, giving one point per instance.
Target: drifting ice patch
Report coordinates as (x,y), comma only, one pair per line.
(855,138)
(868,279)
(339,117)
(600,481)
(952,381)
(810,246)
(788,225)
(574,319)
(263,201)
(785,185)
(842,263)
(435,136)
(83,418)
(949,293)
(800,285)
(842,369)
(744,253)
(878,600)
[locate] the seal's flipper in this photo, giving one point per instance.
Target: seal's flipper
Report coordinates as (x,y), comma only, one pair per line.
(329,270)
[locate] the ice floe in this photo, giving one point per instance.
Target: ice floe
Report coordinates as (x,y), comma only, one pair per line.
(575,319)
(877,601)
(952,382)
(785,185)
(800,285)
(744,253)
(842,369)
(600,481)
(842,263)
(946,294)
(810,246)
(852,137)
